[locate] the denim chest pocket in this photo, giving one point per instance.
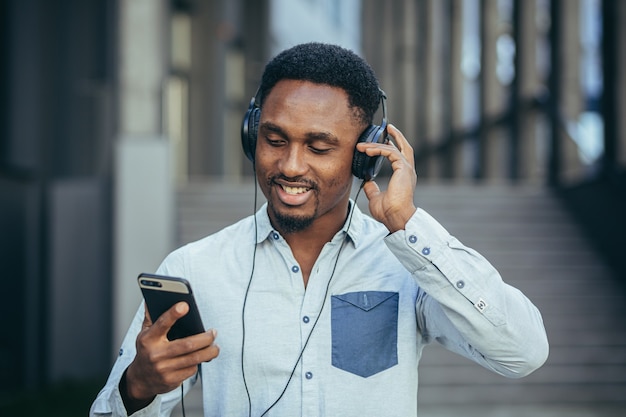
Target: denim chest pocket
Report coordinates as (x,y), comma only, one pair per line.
(365,331)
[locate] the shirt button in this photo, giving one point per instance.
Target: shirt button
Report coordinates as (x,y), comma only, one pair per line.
(275,236)
(295,268)
(121,352)
(412,238)
(426,251)
(305,319)
(308,375)
(460,284)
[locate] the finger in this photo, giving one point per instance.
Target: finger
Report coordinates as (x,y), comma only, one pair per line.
(186,353)
(195,343)
(371,189)
(183,374)
(395,157)
(402,143)
(147,320)
(175,376)
(165,322)
(196,357)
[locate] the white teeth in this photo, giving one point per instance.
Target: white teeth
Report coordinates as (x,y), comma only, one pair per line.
(295,190)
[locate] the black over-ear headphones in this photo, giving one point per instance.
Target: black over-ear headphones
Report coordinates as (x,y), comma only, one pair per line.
(363,166)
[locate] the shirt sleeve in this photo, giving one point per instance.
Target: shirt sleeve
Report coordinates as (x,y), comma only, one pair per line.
(464,304)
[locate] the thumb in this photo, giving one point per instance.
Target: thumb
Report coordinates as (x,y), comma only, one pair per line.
(371,190)
(373,193)
(165,322)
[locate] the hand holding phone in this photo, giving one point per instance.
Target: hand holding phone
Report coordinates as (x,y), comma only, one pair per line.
(160,365)
(161,293)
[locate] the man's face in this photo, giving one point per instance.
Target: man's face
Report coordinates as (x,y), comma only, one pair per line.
(306,139)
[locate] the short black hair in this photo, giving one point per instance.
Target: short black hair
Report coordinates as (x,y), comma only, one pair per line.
(328,64)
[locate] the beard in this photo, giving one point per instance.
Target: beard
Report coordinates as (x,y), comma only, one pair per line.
(292,224)
(288,223)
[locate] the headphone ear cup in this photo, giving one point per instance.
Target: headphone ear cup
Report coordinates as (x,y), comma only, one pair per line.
(363,166)
(249,131)
(360,159)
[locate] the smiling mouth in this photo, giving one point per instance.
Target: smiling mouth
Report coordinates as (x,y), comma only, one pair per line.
(295,190)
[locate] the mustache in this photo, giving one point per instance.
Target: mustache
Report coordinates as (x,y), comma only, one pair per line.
(301,180)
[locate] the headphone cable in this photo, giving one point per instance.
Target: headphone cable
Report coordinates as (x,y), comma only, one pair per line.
(316,320)
(245,299)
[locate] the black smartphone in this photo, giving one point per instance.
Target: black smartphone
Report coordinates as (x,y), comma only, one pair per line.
(161,293)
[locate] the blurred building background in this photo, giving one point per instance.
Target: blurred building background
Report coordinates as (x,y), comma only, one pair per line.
(108,109)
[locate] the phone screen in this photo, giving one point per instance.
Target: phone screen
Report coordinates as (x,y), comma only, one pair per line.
(161,293)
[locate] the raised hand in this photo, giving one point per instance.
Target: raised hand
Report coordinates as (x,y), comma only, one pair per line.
(394,206)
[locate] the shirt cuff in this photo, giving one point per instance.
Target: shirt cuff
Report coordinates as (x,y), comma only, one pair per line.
(424,236)
(117,403)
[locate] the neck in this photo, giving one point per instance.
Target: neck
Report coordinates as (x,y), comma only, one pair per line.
(307,244)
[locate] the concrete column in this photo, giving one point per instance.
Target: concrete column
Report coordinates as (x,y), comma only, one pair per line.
(527,87)
(490,161)
(571,99)
(405,108)
(394,50)
(455,118)
(143,191)
(433,59)
(206,134)
(433,93)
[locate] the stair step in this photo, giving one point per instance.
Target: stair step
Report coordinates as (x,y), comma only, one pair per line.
(535,245)
(551,374)
(584,353)
(523,394)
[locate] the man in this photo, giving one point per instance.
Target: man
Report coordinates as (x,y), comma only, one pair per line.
(321,310)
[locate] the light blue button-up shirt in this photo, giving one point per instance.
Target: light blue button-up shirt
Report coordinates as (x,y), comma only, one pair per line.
(373,301)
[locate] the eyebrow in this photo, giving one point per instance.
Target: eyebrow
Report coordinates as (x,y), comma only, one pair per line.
(317,136)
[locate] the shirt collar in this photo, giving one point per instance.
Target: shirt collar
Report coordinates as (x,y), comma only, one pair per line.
(353,227)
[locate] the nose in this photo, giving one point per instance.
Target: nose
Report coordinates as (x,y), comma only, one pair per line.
(293,163)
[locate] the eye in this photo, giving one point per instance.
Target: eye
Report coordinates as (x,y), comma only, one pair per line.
(275,142)
(319,150)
